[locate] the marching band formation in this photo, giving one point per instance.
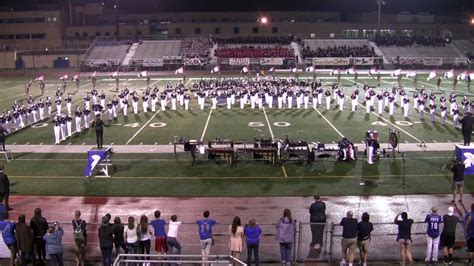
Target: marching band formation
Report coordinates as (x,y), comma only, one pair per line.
(229,93)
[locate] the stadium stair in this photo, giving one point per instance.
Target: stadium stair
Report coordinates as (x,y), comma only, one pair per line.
(297,49)
(457,50)
(130,54)
(377,50)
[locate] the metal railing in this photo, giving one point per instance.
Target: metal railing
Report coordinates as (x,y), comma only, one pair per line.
(125,259)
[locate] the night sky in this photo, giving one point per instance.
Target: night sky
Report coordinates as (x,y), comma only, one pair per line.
(344,6)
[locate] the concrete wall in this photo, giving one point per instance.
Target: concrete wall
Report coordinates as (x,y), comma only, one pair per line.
(46,61)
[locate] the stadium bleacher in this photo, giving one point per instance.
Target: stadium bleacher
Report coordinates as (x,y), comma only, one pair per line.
(111,53)
(196,47)
(337,48)
(158,49)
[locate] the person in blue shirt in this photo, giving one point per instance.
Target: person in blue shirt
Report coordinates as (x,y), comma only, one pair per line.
(432,240)
(8,235)
(252,233)
(54,245)
(205,233)
(158,224)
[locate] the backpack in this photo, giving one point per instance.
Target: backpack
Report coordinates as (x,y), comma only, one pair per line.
(78,233)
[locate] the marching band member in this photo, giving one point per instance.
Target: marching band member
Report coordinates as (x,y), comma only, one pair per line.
(380,102)
(68,103)
(68,119)
(289,99)
(455,116)
(58,105)
(63,127)
(306,99)
(353,102)
(110,107)
(87,101)
(328,99)
(125,106)
(97,108)
(163,101)
(280,100)
(432,112)
(443,114)
(135,103)
(406,106)
(368,102)
(173,100)
(145,102)
(229,100)
(78,115)
(421,107)
(87,118)
(154,100)
(57,129)
(115,105)
(102,99)
(341,97)
(41,109)
(270,99)
(186,101)
(391,104)
(201,99)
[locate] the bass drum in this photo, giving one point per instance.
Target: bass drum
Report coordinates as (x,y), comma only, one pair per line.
(393,138)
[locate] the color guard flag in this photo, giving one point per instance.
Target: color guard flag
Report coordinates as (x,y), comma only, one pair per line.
(75,77)
(449,74)
(335,72)
(245,70)
(179,71)
(216,69)
(63,77)
(373,71)
(411,74)
(462,76)
(432,75)
(272,69)
(143,74)
(351,71)
(40,78)
(114,74)
(94,74)
(310,69)
(396,72)
(294,70)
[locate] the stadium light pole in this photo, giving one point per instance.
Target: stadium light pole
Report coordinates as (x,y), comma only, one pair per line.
(379,13)
(117,26)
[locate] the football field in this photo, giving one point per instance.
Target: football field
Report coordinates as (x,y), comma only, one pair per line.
(154,174)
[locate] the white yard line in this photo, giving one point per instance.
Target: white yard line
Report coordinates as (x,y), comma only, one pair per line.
(207,123)
(333,127)
(146,124)
(268,122)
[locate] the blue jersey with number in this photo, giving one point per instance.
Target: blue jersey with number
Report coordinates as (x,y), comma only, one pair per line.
(205,228)
(433,221)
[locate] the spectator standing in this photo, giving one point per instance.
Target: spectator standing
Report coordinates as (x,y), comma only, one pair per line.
(3,211)
(4,187)
(80,238)
(144,236)
(39,225)
(172,236)
(466,129)
(404,236)
(432,240)
(54,245)
(106,241)
(252,234)
(469,229)
(448,236)
(24,237)
(349,238)
(131,237)
(8,235)
(317,213)
(458,179)
(364,229)
(160,234)
(205,233)
(285,233)
(236,233)
(119,241)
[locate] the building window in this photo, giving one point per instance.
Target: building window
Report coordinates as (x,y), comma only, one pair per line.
(177,31)
(97,34)
(217,30)
(236,30)
(84,34)
(22,36)
(107,33)
(255,30)
(77,34)
(38,36)
(55,19)
(139,33)
(197,30)
(6,36)
(275,30)
(115,33)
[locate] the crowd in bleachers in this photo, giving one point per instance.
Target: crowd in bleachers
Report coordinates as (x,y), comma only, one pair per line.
(340,51)
(196,47)
(254,52)
(421,40)
(282,40)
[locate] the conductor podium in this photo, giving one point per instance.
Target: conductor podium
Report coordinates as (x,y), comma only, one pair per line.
(99,162)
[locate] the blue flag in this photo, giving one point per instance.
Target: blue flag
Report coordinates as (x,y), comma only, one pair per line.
(94,157)
(466,156)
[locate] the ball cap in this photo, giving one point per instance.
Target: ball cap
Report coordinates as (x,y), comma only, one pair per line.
(451,210)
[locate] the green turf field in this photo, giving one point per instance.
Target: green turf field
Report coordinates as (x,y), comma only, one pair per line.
(167,175)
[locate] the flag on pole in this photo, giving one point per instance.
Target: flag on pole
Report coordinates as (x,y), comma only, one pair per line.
(143,74)
(449,74)
(63,77)
(396,72)
(40,78)
(94,74)
(373,71)
(216,69)
(179,71)
(294,70)
(462,76)
(351,71)
(75,77)
(411,74)
(335,72)
(272,69)
(245,69)
(432,75)
(310,69)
